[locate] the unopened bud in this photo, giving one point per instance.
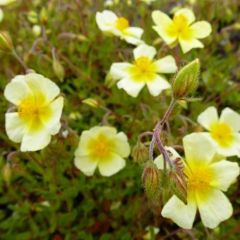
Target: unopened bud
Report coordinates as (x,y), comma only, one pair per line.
(6,43)
(186,80)
(58,69)
(7,173)
(44,15)
(91,102)
(140,153)
(151,181)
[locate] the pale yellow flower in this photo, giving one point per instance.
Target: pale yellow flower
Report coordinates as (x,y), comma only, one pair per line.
(6,2)
(223,130)
(110,23)
(207,179)
(181,28)
(143,71)
(102,148)
(38,111)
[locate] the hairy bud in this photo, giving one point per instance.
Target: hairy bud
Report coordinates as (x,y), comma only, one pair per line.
(151,181)
(7,173)
(91,102)
(140,153)
(6,43)
(186,80)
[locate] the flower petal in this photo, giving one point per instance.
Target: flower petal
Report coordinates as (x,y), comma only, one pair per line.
(215,209)
(201,29)
(133,35)
(17,90)
(131,87)
(15,128)
(38,83)
(183,215)
(198,148)
(122,145)
(208,117)
(226,173)
(163,22)
(187,45)
(111,166)
(35,140)
(85,164)
(187,13)
(106,20)
(120,70)
(166,65)
(144,50)
(159,160)
(157,85)
(231,117)
(52,123)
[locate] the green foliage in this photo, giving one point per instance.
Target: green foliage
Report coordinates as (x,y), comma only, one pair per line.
(46,197)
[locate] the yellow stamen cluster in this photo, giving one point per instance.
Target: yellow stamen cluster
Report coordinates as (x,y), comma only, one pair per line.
(122,23)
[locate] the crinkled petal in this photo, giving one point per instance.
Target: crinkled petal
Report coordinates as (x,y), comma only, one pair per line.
(189,44)
(38,83)
(232,118)
(15,128)
(144,50)
(122,145)
(17,90)
(183,215)
(187,13)
(208,117)
(163,22)
(201,29)
(166,65)
(214,208)
(225,173)
(106,20)
(120,70)
(111,166)
(35,140)
(85,164)
(131,87)
(52,123)
(198,148)
(157,85)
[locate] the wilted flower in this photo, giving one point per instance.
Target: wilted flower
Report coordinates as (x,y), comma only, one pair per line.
(181,28)
(104,148)
(223,131)
(38,111)
(143,71)
(111,24)
(206,179)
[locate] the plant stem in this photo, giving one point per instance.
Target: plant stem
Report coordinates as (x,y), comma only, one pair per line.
(20,60)
(156,136)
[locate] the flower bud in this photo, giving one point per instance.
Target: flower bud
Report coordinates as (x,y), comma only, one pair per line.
(58,69)
(186,80)
(6,43)
(151,181)
(44,15)
(91,102)
(7,173)
(140,153)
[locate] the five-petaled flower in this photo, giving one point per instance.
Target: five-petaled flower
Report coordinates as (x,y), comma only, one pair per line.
(104,148)
(223,131)
(143,71)
(207,178)
(38,111)
(181,28)
(111,24)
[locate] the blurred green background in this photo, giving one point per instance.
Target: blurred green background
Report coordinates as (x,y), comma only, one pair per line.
(43,195)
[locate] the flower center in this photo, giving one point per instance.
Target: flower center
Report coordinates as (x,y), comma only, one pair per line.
(100,147)
(143,69)
(222,133)
(33,110)
(122,23)
(180,27)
